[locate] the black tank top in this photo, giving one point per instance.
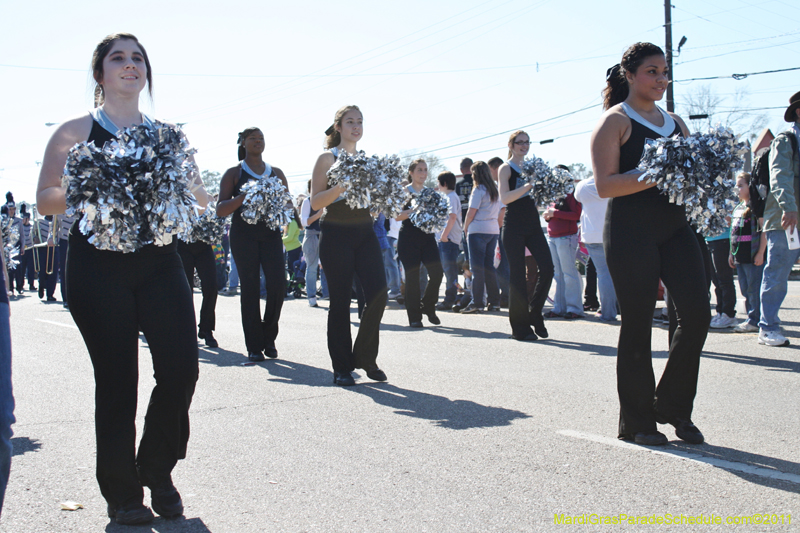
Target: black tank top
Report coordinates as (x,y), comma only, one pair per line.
(100,136)
(239,227)
(631,152)
(314,226)
(408,229)
(522,216)
(342,214)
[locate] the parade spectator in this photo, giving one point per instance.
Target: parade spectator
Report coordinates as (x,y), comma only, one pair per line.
(449,241)
(593,218)
(502,268)
(780,217)
(391,262)
(309,218)
(722,277)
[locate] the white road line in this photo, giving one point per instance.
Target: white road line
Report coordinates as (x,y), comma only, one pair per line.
(72,326)
(686,456)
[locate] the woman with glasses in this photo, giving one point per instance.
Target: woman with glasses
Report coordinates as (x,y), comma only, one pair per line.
(521,230)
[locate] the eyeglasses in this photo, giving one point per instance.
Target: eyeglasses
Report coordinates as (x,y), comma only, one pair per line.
(523,143)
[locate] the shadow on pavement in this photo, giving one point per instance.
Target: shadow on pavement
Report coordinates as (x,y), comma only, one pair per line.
(456,332)
(590,349)
(775,365)
(23,445)
(160,525)
(444,412)
(746,458)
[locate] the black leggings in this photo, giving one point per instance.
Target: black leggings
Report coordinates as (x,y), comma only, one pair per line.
(346,249)
(644,242)
(112,296)
(199,255)
(414,250)
(522,311)
(252,256)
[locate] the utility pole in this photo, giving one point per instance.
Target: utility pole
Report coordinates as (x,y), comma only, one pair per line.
(668,28)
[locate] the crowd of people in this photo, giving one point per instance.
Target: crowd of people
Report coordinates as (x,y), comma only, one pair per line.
(494,251)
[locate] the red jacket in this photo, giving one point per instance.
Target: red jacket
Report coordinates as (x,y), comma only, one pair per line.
(565,220)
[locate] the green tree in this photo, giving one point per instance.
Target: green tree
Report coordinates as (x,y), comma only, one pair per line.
(579,171)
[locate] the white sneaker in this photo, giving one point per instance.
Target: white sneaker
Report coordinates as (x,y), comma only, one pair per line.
(772,338)
(723,321)
(745,327)
(312,302)
(714,320)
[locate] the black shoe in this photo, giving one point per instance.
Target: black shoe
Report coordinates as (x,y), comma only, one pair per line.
(457,308)
(131,514)
(32,288)
(401,300)
(415,325)
(684,428)
(343,379)
(256,357)
(51,299)
(41,291)
(376,374)
(433,319)
(211,342)
(66,305)
(490,308)
(528,338)
(166,500)
(443,306)
(647,438)
(271,352)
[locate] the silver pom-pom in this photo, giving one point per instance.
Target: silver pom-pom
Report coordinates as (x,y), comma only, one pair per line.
(387,192)
(208,227)
(352,173)
(135,190)
(370,182)
(698,172)
(548,185)
(430,210)
(10,240)
(267,199)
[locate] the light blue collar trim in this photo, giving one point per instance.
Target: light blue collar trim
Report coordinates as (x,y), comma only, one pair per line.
(665,130)
(102,118)
(267,170)
(514,166)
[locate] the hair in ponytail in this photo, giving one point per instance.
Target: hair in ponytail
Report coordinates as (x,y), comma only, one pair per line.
(244,134)
(333,137)
(513,139)
(100,53)
(616,90)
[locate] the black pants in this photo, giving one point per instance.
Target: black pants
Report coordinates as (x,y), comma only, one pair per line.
(643,242)
(48,268)
(112,296)
(722,276)
(590,292)
(522,311)
(346,249)
(199,255)
(413,250)
(709,271)
(252,256)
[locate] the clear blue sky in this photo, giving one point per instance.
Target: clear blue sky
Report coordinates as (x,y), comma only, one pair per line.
(427,75)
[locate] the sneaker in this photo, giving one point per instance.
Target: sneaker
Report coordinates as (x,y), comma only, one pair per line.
(772,338)
(393,295)
(470,309)
(312,302)
(745,327)
(723,321)
(714,320)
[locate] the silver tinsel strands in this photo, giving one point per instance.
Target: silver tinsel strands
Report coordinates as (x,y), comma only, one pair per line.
(387,193)
(430,210)
(698,172)
(267,199)
(208,227)
(549,185)
(353,174)
(135,190)
(10,240)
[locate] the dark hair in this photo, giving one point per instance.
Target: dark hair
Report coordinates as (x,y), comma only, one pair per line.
(297,217)
(466,162)
(100,53)
(333,137)
(616,90)
(494,162)
(414,164)
(309,186)
(512,139)
(482,176)
(447,179)
(243,135)
(747,176)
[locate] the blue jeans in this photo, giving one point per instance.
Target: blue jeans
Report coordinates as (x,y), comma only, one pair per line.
(448,252)
(776,278)
(6,400)
(484,275)
(311,253)
(750,277)
(392,272)
(233,279)
(608,296)
(569,285)
(396,260)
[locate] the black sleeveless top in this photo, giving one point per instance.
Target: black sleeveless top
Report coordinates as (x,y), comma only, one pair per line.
(314,226)
(100,136)
(239,227)
(408,230)
(522,216)
(340,213)
(631,152)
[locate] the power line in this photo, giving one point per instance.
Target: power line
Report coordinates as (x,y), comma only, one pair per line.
(738,76)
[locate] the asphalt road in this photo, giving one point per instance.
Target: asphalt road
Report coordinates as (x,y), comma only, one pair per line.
(472,432)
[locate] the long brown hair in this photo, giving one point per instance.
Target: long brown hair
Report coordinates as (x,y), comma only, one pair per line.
(513,138)
(617,89)
(100,53)
(333,137)
(482,176)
